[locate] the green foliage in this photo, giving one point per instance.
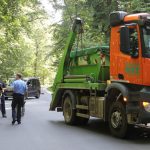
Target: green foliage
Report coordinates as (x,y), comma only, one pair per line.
(135,5)
(22,39)
(30,44)
(95,14)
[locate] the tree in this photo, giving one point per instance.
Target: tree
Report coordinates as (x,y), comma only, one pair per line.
(19,39)
(95,14)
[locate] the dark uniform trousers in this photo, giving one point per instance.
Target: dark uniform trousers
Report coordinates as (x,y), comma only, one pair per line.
(17,102)
(3,110)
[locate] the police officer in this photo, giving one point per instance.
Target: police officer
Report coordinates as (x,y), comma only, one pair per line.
(19,90)
(2,97)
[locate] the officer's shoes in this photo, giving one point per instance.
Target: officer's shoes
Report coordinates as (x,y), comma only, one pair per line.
(19,122)
(4,116)
(13,122)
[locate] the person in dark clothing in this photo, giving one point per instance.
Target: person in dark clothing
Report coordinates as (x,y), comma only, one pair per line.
(2,97)
(19,89)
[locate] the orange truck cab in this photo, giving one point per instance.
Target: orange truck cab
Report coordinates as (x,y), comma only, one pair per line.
(130,49)
(130,62)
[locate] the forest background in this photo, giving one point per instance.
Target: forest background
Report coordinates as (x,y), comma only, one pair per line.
(33,33)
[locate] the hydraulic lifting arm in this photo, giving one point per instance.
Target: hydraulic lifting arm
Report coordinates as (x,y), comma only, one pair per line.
(64,63)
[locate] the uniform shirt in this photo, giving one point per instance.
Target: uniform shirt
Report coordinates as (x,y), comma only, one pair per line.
(19,86)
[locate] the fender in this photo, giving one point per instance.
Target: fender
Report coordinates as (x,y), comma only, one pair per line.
(73,98)
(56,99)
(119,86)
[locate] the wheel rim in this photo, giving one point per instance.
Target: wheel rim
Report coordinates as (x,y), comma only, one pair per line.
(67,110)
(116,119)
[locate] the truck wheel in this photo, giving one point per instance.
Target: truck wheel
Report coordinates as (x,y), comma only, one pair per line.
(69,113)
(118,120)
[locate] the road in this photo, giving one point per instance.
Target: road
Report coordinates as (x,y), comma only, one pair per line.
(44,130)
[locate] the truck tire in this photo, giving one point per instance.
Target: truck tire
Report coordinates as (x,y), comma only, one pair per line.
(118,120)
(68,111)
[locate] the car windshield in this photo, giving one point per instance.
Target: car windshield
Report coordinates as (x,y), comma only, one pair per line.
(146,36)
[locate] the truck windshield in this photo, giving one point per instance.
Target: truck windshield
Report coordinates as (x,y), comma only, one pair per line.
(146,36)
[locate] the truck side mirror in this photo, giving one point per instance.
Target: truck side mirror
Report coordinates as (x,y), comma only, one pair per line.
(125,40)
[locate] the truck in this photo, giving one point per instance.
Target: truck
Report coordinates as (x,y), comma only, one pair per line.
(107,82)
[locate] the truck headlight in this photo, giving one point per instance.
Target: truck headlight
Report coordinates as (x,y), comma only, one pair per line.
(146,106)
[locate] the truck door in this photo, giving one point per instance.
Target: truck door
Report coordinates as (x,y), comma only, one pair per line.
(145,31)
(128,59)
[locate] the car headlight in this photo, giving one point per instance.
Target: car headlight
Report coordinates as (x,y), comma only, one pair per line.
(146,106)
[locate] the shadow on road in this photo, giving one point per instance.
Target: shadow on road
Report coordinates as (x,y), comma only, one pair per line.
(136,135)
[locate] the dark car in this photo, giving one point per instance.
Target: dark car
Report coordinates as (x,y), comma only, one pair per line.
(34,88)
(8,92)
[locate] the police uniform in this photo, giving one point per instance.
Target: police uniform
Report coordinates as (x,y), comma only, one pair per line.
(19,89)
(2,97)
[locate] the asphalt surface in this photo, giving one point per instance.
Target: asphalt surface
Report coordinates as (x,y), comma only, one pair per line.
(44,130)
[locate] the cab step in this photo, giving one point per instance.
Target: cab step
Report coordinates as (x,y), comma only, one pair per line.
(82,115)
